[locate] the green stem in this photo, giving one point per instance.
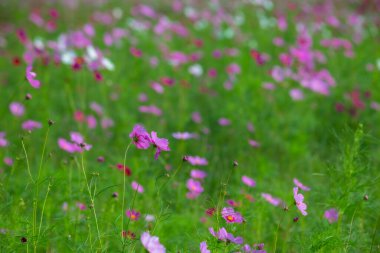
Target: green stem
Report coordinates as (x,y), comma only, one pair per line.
(123,196)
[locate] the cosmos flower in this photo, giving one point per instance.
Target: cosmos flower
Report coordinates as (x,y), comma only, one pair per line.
(159,143)
(152,243)
(17,109)
(194,186)
(248,181)
(331,215)
(203,247)
(132,214)
(298,199)
(184,135)
(30,125)
(140,137)
(224,236)
(137,187)
(198,174)
(300,185)
(197,161)
(272,200)
(229,214)
(30,76)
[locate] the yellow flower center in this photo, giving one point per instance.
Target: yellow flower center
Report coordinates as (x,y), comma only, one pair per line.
(230,218)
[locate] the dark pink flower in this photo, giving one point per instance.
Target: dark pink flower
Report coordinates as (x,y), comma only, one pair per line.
(159,143)
(132,214)
(140,137)
(3,141)
(30,76)
(229,214)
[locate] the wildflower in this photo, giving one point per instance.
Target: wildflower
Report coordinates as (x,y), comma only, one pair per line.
(198,174)
(8,161)
(17,109)
(81,206)
(159,143)
(196,160)
(137,187)
(194,186)
(184,135)
(300,185)
(140,137)
(203,247)
(30,76)
(30,125)
(253,143)
(224,122)
(298,198)
(210,211)
(229,214)
(152,243)
(196,117)
(272,200)
(152,109)
(133,215)
(232,203)
(296,94)
(331,215)
(248,181)
(149,218)
(223,235)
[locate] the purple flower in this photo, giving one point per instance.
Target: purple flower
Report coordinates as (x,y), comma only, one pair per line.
(30,76)
(30,125)
(17,109)
(132,214)
(331,215)
(194,186)
(140,137)
(152,243)
(229,214)
(298,198)
(198,174)
(160,144)
(196,160)
(248,181)
(300,185)
(3,141)
(223,235)
(272,200)
(224,122)
(203,247)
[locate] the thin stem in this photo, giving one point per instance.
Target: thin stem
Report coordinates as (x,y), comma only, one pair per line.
(278,228)
(92,202)
(42,212)
(123,201)
(349,236)
(27,161)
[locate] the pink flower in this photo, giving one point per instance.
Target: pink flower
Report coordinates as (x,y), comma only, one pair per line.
(248,181)
(203,247)
(159,143)
(76,146)
(152,243)
(30,125)
(272,200)
(296,94)
(151,109)
(298,199)
(8,161)
(184,135)
(300,185)
(30,76)
(224,122)
(224,236)
(331,215)
(198,174)
(197,161)
(137,187)
(194,186)
(3,141)
(253,143)
(196,117)
(81,206)
(229,214)
(232,203)
(132,214)
(17,109)
(140,137)
(91,121)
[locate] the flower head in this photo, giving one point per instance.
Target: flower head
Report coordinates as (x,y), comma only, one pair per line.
(298,199)
(140,137)
(248,181)
(152,243)
(137,187)
(30,76)
(300,185)
(331,215)
(159,143)
(133,215)
(229,214)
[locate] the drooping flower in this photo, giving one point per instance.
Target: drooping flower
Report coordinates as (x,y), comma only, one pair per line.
(300,185)
(132,214)
(140,137)
(137,187)
(231,216)
(152,243)
(30,76)
(160,144)
(298,198)
(331,215)
(248,181)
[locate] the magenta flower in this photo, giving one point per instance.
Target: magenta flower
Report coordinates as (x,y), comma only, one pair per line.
(298,199)
(137,187)
(272,200)
(229,214)
(331,215)
(30,76)
(203,247)
(152,243)
(198,174)
(159,143)
(76,145)
(8,161)
(248,181)
(197,161)
(151,109)
(300,185)
(30,125)
(17,109)
(81,206)
(194,186)
(132,214)
(140,137)
(3,141)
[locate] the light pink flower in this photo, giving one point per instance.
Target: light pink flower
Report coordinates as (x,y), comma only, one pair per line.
(272,200)
(30,76)
(224,122)
(137,187)
(300,185)
(30,125)
(231,216)
(331,215)
(248,181)
(152,243)
(160,144)
(203,247)
(198,174)
(17,109)
(184,135)
(197,161)
(298,199)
